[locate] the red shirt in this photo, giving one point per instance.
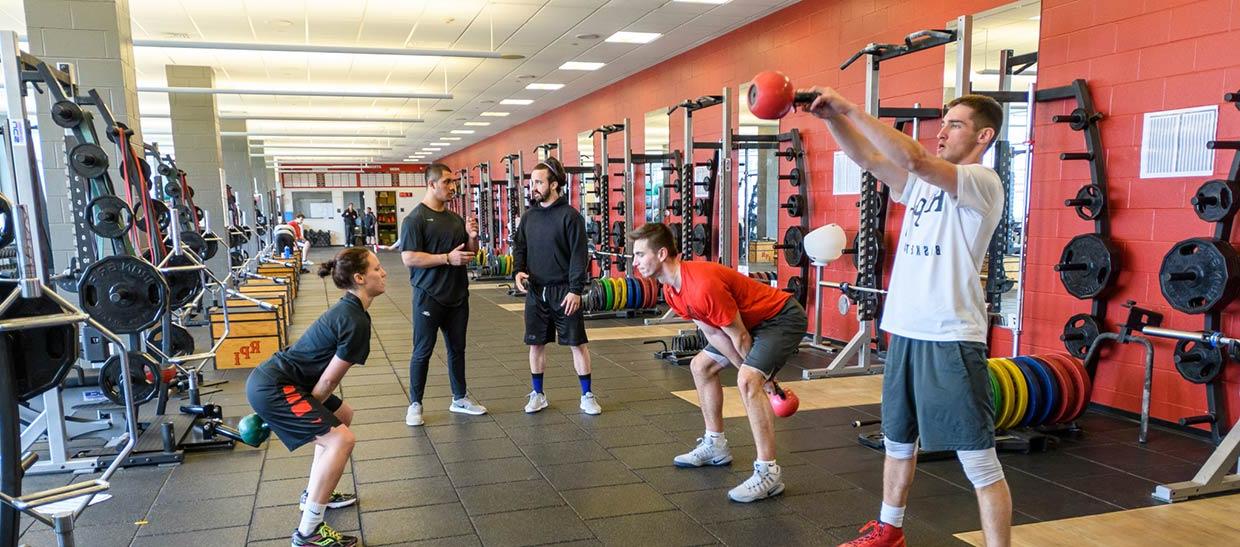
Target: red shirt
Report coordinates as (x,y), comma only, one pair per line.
(296,229)
(713,293)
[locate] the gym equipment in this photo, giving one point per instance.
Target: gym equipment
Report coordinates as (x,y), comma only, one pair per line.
(144,378)
(1033,386)
(1088,266)
(1090,202)
(1200,275)
(824,244)
(793,246)
(1079,334)
(251,430)
(772,96)
(182,342)
(109,216)
(45,354)
(784,402)
(1215,200)
(124,293)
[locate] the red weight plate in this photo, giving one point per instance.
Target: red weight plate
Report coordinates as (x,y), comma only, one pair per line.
(1063,384)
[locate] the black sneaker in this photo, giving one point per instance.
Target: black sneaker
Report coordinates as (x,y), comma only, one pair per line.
(323,536)
(336,501)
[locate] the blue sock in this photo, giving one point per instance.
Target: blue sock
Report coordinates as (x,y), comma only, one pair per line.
(536,379)
(584,379)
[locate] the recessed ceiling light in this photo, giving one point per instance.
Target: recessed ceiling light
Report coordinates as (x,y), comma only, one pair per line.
(463,131)
(526,77)
(477,124)
(495,114)
(431,149)
(488,101)
(450,138)
(519,102)
(581,65)
(587,37)
(548,87)
(702,1)
(444,110)
(625,37)
(441,144)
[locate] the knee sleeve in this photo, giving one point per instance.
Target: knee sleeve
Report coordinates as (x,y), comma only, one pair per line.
(899,451)
(981,466)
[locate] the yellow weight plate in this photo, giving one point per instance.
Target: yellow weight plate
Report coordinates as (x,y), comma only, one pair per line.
(1005,392)
(1021,393)
(623,290)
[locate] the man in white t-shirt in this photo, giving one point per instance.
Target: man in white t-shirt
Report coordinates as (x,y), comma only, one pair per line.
(936,387)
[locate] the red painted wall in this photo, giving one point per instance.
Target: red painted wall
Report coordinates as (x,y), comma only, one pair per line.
(1138,57)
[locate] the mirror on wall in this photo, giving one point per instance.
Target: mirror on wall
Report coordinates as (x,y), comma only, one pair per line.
(757,202)
(656,137)
(1004,58)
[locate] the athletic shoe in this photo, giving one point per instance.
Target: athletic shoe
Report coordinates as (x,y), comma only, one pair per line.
(766,481)
(589,405)
(323,536)
(878,534)
(709,451)
(336,501)
(414,415)
(538,401)
(467,405)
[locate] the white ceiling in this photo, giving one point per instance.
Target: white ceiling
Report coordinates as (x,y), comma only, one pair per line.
(544,32)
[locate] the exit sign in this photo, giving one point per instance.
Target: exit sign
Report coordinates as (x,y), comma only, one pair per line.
(406,194)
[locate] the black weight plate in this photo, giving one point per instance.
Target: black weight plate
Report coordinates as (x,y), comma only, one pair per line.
(8,226)
(172,189)
(88,160)
(41,356)
(109,216)
(794,177)
(182,340)
(144,376)
(794,246)
(1089,203)
(66,114)
(184,286)
(796,286)
(1088,266)
(163,216)
(191,240)
(1079,334)
(1200,275)
(1197,362)
(699,239)
(795,205)
(166,170)
(213,245)
(123,293)
(1215,200)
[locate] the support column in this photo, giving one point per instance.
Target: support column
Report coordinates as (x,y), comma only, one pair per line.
(96,38)
(238,174)
(196,139)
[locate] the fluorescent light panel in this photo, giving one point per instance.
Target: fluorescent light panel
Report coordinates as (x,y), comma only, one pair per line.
(625,37)
(715,2)
(517,102)
(547,87)
(450,138)
(295,92)
(463,131)
(441,144)
(495,114)
(581,65)
(477,124)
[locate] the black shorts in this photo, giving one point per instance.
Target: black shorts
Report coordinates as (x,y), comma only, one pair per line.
(774,341)
(938,393)
(543,311)
(295,416)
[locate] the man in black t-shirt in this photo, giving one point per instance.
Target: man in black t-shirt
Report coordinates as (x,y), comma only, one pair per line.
(436,245)
(350,222)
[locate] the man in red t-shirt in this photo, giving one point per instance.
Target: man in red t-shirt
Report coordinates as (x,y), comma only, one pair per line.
(749,325)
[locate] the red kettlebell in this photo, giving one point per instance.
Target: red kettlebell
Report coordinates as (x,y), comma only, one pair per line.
(772,96)
(783,401)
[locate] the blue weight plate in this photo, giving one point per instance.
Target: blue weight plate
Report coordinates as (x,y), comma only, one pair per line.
(1050,395)
(1036,400)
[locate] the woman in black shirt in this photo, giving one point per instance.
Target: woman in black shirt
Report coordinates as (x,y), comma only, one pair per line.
(292,390)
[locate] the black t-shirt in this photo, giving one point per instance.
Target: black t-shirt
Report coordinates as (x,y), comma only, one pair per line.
(426,230)
(342,331)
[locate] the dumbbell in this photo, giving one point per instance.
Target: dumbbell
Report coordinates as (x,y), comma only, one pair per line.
(772,96)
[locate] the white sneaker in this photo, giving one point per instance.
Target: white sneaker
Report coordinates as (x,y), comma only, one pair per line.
(467,405)
(538,401)
(414,415)
(589,405)
(709,451)
(766,481)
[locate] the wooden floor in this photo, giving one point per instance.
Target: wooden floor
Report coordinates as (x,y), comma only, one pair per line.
(517,306)
(813,394)
(1210,521)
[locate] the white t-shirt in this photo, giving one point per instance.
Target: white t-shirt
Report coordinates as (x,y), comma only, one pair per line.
(935,293)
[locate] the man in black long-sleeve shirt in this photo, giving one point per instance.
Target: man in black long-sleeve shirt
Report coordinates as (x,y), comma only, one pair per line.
(554,282)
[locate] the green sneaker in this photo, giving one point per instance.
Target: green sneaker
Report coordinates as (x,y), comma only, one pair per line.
(323,536)
(336,501)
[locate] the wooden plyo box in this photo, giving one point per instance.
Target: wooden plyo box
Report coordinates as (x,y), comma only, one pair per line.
(254,334)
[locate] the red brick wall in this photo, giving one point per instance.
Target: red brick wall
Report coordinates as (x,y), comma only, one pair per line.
(1138,57)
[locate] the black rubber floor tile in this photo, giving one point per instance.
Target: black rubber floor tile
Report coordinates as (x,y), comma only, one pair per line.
(532,527)
(414,524)
(220,536)
(650,455)
(492,471)
(499,392)
(955,513)
(392,469)
(609,418)
(548,416)
(833,416)
(1121,489)
(381,416)
(1048,501)
(382,496)
(133,491)
(793,529)
(379,401)
(386,430)
(456,433)
(804,440)
(508,496)
(543,434)
(214,463)
(1124,456)
(114,535)
(613,501)
(589,474)
(669,480)
(454,541)
(288,468)
(391,448)
(707,506)
(485,449)
(567,452)
(1054,466)
(393,387)
(651,529)
(849,459)
(635,394)
(185,486)
(279,522)
(1163,474)
(283,492)
(924,485)
(678,422)
(834,509)
(614,437)
(807,479)
(206,515)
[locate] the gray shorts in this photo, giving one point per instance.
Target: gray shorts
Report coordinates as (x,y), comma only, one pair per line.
(774,340)
(940,392)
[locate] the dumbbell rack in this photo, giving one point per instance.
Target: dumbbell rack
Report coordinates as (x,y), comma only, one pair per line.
(1089,263)
(612,234)
(1202,276)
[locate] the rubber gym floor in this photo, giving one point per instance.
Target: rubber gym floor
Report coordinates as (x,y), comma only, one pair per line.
(559,476)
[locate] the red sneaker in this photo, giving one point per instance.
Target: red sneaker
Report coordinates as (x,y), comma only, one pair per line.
(878,534)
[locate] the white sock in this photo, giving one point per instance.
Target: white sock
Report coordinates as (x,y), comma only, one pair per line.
(768,466)
(712,435)
(311,517)
(892,515)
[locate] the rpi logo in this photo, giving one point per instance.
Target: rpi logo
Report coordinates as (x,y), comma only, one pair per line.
(245,351)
